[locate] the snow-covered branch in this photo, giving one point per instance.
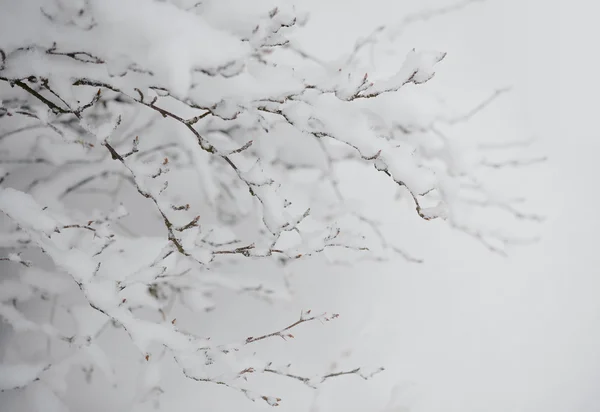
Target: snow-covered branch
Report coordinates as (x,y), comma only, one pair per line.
(144,168)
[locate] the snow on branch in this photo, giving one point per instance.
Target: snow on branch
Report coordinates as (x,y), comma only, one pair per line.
(152,165)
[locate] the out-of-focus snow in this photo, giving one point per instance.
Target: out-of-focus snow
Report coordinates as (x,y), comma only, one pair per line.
(26,211)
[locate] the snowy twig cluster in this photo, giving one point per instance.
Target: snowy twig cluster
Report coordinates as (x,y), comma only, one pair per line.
(222,150)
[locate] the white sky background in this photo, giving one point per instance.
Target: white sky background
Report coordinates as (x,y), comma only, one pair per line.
(469,331)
